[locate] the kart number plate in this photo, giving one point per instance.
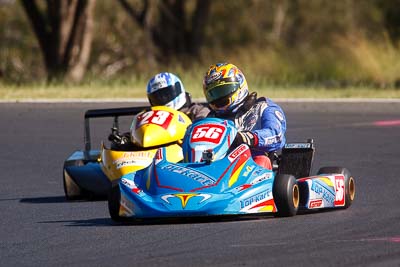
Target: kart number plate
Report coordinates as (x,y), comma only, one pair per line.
(208,133)
(158,117)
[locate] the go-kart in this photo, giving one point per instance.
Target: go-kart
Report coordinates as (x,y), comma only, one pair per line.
(214,179)
(88,173)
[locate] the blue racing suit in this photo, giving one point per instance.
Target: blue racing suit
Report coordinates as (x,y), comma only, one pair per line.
(265,119)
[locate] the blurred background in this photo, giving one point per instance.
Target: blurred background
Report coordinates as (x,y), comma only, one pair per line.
(338,44)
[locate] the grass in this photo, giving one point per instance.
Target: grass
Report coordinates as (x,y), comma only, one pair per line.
(352,61)
(136,89)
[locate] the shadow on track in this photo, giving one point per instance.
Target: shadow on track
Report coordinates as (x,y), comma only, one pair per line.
(43,200)
(90,222)
(55,199)
(148,222)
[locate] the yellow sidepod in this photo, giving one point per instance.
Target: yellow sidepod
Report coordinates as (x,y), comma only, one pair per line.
(118,163)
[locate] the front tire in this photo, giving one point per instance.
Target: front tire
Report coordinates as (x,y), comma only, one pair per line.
(286,195)
(114,198)
(349,182)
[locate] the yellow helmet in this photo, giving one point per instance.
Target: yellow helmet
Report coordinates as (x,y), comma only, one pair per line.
(225,87)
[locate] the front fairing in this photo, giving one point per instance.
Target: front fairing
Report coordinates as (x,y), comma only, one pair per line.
(226,186)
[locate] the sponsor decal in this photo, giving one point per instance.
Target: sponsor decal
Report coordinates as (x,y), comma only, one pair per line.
(192,174)
(339,190)
(257,172)
(248,170)
(181,119)
(237,152)
(133,162)
(126,207)
(159,156)
(320,189)
(131,185)
(262,178)
(243,187)
(273,140)
(128,183)
(140,158)
(136,154)
(298,145)
(184,197)
(255,181)
(315,203)
(255,199)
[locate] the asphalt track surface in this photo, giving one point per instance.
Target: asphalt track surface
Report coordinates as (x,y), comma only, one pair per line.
(39,228)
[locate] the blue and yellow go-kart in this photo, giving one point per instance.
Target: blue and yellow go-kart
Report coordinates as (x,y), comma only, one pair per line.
(215,180)
(88,173)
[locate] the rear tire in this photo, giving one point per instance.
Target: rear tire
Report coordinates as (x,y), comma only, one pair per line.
(349,182)
(286,195)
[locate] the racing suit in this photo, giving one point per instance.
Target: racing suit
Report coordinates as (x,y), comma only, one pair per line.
(265,121)
(194,111)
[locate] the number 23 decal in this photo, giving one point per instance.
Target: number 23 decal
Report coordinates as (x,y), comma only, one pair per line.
(158,117)
(208,133)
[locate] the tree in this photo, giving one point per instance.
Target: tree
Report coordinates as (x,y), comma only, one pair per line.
(171,26)
(391,18)
(64,30)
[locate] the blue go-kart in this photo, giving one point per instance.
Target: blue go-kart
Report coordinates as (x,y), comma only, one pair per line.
(215,179)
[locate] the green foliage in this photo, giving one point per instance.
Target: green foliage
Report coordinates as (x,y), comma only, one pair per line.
(20,58)
(275,43)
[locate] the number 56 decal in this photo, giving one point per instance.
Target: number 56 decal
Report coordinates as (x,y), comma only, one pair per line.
(208,133)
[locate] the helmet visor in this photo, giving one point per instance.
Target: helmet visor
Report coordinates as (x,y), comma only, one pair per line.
(165,95)
(218,94)
(223,102)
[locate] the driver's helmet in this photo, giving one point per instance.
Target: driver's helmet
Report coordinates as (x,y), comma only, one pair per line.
(166,89)
(225,87)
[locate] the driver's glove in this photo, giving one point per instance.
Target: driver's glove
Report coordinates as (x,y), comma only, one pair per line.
(125,138)
(245,137)
(117,138)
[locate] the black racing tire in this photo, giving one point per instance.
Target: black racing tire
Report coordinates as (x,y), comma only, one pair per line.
(286,195)
(72,190)
(349,182)
(114,198)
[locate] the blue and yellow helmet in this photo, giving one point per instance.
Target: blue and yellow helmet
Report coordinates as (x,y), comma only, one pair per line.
(225,87)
